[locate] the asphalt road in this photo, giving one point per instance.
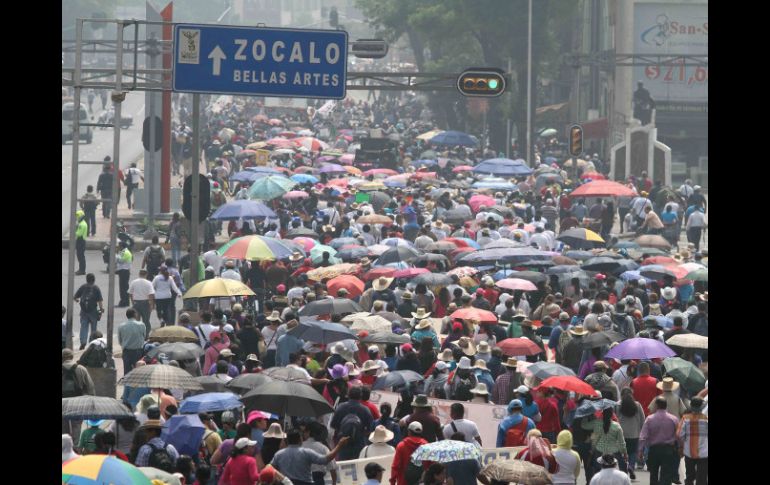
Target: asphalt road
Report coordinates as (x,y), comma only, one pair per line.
(130,150)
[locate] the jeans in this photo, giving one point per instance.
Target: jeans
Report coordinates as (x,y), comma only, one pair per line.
(106,206)
(130,356)
(318,478)
(165,310)
(176,250)
(142,307)
(697,470)
(694,235)
(91,221)
(80,250)
(584,450)
(129,191)
(88,323)
(661,463)
(123,276)
(632,448)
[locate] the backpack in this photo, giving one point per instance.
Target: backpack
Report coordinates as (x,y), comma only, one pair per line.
(413,473)
(564,339)
(94,356)
(160,459)
(351,426)
(88,299)
(517,434)
(154,258)
(463,390)
(70,387)
(203,450)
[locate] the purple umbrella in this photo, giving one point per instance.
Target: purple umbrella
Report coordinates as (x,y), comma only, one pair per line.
(640,348)
(332,168)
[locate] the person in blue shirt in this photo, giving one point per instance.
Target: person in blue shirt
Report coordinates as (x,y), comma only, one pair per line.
(515,417)
(287,344)
(670,220)
(553,341)
(529,407)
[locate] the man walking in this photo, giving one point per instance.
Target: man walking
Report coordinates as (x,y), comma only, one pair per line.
(89,204)
(123,269)
(81,232)
(659,433)
(693,434)
(142,295)
(75,381)
(104,188)
(131,337)
(133,176)
(91,308)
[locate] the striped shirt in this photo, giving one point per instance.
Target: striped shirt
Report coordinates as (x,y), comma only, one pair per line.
(502,393)
(693,433)
(612,442)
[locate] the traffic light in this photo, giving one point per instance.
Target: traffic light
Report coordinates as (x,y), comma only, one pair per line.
(576,140)
(334,17)
(204,199)
(486,82)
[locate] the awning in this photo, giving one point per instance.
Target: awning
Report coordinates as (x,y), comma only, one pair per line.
(596,129)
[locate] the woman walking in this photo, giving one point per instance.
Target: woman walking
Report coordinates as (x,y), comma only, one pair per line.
(631,417)
(166,293)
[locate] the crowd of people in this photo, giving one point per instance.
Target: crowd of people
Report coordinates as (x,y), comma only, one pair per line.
(468,287)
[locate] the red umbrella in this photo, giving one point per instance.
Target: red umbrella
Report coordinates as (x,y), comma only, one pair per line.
(354,286)
(410,272)
(519,346)
(303,169)
(568,383)
(593,176)
(474,313)
(664,260)
(379,272)
(384,171)
(602,188)
(457,242)
(462,168)
(275,122)
(478,200)
(424,175)
(516,284)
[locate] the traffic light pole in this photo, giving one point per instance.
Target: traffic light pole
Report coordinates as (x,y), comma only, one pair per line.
(196,189)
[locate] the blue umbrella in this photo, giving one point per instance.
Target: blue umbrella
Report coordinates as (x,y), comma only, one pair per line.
(494,185)
(270,187)
(425,163)
(396,241)
(246,176)
(242,209)
(311,330)
(454,138)
(304,178)
(398,183)
(210,401)
(630,275)
(184,432)
(502,274)
(265,170)
(589,407)
(503,166)
(338,242)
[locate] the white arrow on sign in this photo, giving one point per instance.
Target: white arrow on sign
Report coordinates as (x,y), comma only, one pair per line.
(218,55)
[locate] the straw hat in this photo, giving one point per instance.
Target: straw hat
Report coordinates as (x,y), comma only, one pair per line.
(275,431)
(511,362)
(353,371)
(328,228)
(667,384)
(382,283)
(151,424)
(578,330)
(483,347)
(439,224)
(421,401)
(424,323)
(421,313)
(292,324)
(446,355)
(480,364)
(480,388)
(406,295)
(370,365)
(274,317)
(365,261)
(381,434)
(296,256)
(466,345)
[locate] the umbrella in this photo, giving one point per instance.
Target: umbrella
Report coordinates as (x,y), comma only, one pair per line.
(579,255)
(658,272)
(185,432)
(396,241)
(590,176)
(301,231)
(386,338)
(312,144)
(431,258)
(337,243)
(496,184)
(93,407)
(316,254)
(397,254)
(286,374)
(425,163)
(353,254)
(396,378)
(517,471)
(246,382)
(478,200)
(601,263)
(569,383)
(304,242)
(505,255)
(245,176)
(462,168)
(531,276)
(332,168)
(433,279)
(441,246)
(410,272)
(562,269)
(155,474)
(379,171)
(516,284)
(589,406)
(160,376)
(173,333)
(504,243)
(311,330)
(685,373)
(602,188)
(399,181)
(264,170)
(461,271)
(218,287)
(379,272)
(270,187)
(446,451)
(519,346)
(640,348)
(99,469)
(630,275)
(372,324)
(660,260)
(370,186)
(460,215)
(474,313)
(177,351)
(296,194)
(211,401)
(453,138)
(253,247)
(689,341)
(581,238)
(304,178)
(698,275)
(429,134)
(544,370)
(599,339)
(213,383)
(330,306)
(329,272)
(287,399)
(374,219)
(429,154)
(503,166)
(354,285)
(653,241)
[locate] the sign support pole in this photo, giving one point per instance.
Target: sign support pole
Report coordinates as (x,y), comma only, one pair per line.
(196,189)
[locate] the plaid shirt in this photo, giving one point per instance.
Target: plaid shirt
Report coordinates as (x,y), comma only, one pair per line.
(693,433)
(502,393)
(612,442)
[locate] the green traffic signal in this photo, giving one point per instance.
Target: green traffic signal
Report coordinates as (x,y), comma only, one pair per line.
(484,82)
(493,84)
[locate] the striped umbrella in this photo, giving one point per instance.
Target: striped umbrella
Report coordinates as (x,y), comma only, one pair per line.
(581,238)
(93,407)
(255,247)
(100,469)
(160,376)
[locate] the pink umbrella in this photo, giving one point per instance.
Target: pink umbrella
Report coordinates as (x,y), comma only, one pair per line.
(424,175)
(376,171)
(296,194)
(479,200)
(306,243)
(312,144)
(303,170)
(275,122)
(462,168)
(410,272)
(516,284)
(347,158)
(343,182)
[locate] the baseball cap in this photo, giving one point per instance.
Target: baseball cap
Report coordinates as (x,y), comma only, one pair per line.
(244,442)
(514,404)
(441,365)
(407,348)
(415,427)
(564,316)
(229,328)
(226,353)
(522,389)
(373,348)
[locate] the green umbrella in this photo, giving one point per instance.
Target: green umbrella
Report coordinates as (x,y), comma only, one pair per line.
(685,373)
(698,275)
(270,187)
(316,254)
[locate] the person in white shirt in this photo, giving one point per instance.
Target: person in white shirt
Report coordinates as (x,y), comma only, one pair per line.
(460,425)
(686,190)
(439,230)
(142,294)
(638,206)
(695,225)
(610,475)
(166,293)
(133,176)
(230,272)
(203,331)
(541,239)
(213,259)
(379,447)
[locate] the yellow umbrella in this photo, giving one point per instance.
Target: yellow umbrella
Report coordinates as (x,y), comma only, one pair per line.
(374,185)
(218,287)
(430,134)
(256,145)
(173,333)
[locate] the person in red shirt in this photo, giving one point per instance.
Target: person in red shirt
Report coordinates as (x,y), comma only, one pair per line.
(490,293)
(404,452)
(366,393)
(645,387)
(307,265)
(549,424)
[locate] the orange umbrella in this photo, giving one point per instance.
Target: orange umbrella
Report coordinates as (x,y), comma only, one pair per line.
(354,285)
(353,170)
(602,188)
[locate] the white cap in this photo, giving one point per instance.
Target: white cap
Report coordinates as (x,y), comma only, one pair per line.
(244,442)
(373,348)
(522,389)
(441,365)
(414,426)
(229,328)
(697,187)
(642,281)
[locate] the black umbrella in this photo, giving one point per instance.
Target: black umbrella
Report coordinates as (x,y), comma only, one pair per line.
(626,265)
(583,278)
(353,254)
(579,255)
(320,332)
(246,382)
(431,257)
(544,370)
(433,279)
(330,306)
(177,351)
(287,399)
(93,407)
(531,276)
(599,339)
(580,238)
(536,263)
(589,407)
(502,210)
(601,263)
(301,231)
(386,338)
(562,268)
(457,216)
(396,378)
(397,255)
(210,384)
(287,374)
(379,199)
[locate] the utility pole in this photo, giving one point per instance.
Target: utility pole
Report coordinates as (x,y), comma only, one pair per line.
(530,161)
(508,121)
(149,165)
(196,189)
